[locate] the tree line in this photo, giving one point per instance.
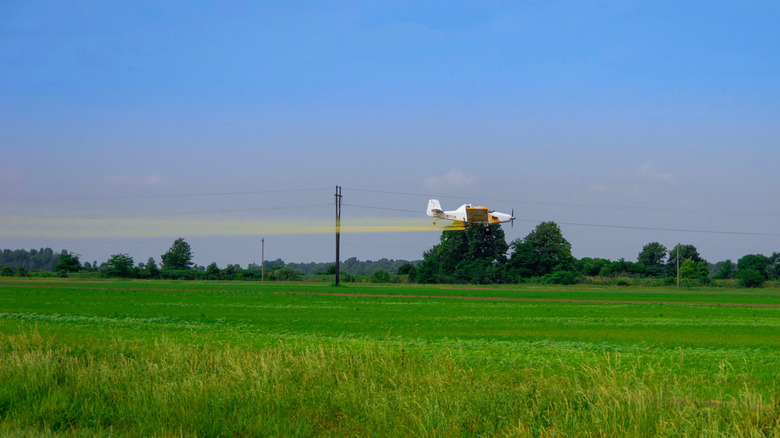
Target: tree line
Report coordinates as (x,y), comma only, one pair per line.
(481,255)
(476,255)
(177,265)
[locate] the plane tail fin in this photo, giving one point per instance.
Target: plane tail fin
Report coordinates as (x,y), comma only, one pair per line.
(434,208)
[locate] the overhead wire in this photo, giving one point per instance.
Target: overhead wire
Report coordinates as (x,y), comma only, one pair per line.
(168,196)
(627,227)
(585,205)
(319,205)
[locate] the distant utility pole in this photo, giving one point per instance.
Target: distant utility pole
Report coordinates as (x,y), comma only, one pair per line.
(262,259)
(678,265)
(338,229)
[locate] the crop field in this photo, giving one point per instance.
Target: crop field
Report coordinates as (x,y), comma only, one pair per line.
(156,358)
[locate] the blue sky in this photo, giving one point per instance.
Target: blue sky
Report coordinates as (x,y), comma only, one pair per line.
(644,118)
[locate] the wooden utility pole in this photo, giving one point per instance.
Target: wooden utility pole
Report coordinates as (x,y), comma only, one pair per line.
(338,229)
(262,259)
(678,265)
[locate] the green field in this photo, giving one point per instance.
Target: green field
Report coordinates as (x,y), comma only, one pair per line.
(144,358)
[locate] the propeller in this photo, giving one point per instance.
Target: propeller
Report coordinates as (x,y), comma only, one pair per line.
(512,220)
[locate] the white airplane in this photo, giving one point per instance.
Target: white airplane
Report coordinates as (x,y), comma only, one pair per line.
(468,214)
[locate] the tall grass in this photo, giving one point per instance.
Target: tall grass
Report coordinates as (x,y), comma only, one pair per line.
(166,387)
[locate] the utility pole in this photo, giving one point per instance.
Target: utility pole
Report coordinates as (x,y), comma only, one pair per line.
(678,265)
(262,259)
(338,229)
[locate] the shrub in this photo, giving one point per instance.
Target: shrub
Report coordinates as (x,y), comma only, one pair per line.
(750,278)
(380,276)
(561,277)
(286,273)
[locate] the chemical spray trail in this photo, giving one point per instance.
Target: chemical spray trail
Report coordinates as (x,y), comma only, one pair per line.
(20,227)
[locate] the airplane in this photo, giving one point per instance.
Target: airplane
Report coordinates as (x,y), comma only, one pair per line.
(468,214)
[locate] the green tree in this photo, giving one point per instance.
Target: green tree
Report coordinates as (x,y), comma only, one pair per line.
(694,270)
(623,268)
(750,278)
(543,251)
(774,266)
(152,271)
(68,262)
(230,271)
(757,262)
(213,272)
(591,267)
(286,273)
(653,256)
(379,276)
(405,269)
(725,270)
(474,255)
(687,252)
(7,271)
(119,265)
(179,256)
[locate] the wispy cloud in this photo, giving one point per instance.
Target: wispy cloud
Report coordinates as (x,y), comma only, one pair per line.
(648,171)
(454,178)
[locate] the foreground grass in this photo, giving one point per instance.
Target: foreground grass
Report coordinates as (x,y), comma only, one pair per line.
(128,360)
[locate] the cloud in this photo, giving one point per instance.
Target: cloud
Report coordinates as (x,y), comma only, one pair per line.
(153,180)
(647,171)
(454,178)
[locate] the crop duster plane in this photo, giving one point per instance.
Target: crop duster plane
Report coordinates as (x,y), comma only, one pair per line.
(468,214)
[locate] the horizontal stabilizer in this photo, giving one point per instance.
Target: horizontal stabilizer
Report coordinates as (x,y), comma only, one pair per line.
(434,208)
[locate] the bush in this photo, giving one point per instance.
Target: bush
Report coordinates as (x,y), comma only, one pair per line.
(750,278)
(560,277)
(286,273)
(380,276)
(7,272)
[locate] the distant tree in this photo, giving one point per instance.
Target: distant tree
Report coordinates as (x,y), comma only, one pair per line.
(230,272)
(543,251)
(152,271)
(653,256)
(405,269)
(694,270)
(68,262)
(21,272)
(757,262)
(213,272)
(591,267)
(473,255)
(119,265)
(774,266)
(179,256)
(750,278)
(687,252)
(285,273)
(7,271)
(623,268)
(380,276)
(725,270)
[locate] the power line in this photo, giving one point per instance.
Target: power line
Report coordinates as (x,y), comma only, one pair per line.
(185,195)
(626,227)
(680,230)
(190,213)
(584,205)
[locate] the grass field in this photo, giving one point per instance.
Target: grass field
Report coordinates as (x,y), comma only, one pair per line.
(187,358)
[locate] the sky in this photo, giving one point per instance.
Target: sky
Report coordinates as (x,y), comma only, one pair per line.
(125,125)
